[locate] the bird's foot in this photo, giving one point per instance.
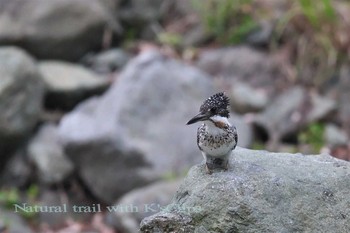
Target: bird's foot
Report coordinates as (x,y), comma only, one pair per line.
(216,163)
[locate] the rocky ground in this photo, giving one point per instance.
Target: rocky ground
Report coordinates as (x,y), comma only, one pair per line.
(95,95)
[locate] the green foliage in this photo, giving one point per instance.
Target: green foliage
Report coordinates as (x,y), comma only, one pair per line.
(32,192)
(313,29)
(9,197)
(169,176)
(172,176)
(229,21)
(318,13)
(258,146)
(313,136)
(171,39)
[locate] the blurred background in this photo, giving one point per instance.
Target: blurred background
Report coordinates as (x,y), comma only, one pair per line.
(95,95)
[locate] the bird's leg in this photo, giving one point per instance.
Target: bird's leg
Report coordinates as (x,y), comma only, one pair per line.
(208,169)
(226,164)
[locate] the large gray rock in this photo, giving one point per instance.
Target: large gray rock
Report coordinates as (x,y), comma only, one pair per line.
(136,131)
(142,202)
(47,155)
(68,84)
(261,192)
(21,95)
(56,29)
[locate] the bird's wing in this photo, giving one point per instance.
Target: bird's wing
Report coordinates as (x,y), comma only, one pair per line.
(235,135)
(200,131)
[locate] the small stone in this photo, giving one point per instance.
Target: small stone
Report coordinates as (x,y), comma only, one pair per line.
(261,36)
(12,222)
(246,99)
(68,83)
(18,171)
(335,136)
(108,61)
(47,154)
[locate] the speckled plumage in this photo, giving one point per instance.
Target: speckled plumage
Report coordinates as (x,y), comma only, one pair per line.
(211,144)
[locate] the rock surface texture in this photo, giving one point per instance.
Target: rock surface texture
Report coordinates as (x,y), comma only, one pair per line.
(261,192)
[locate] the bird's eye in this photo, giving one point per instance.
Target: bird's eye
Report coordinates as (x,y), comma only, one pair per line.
(213,109)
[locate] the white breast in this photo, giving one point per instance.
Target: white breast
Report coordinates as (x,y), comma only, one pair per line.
(215,141)
(220,151)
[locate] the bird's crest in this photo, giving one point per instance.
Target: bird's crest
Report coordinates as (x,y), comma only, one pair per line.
(217,104)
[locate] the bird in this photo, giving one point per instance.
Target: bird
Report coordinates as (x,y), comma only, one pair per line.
(216,137)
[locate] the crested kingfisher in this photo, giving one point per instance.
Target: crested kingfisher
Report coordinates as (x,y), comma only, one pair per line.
(216,137)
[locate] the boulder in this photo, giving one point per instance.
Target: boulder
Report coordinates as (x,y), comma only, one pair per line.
(57,29)
(140,203)
(48,157)
(136,131)
(68,84)
(21,97)
(261,192)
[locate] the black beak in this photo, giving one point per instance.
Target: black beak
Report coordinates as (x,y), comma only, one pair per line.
(199,117)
